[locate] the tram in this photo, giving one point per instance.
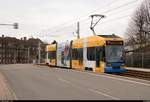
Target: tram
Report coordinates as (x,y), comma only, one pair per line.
(99,53)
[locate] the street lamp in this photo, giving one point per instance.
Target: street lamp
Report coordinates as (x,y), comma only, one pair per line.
(15,25)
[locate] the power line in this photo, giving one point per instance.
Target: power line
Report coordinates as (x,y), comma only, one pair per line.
(107,11)
(118,18)
(120,6)
(82,16)
(108,19)
(117,7)
(112,20)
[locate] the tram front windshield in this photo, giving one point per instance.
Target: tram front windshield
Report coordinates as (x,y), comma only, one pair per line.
(114,53)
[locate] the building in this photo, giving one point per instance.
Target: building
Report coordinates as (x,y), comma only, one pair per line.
(13,50)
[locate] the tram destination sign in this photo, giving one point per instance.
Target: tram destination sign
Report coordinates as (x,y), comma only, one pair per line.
(114,42)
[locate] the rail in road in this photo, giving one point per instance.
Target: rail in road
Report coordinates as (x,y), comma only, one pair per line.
(41,82)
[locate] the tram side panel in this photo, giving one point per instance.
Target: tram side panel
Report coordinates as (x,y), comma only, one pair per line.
(77,55)
(89,63)
(63,54)
(47,62)
(93,56)
(51,55)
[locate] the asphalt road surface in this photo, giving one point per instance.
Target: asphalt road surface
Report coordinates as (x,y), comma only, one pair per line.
(34,82)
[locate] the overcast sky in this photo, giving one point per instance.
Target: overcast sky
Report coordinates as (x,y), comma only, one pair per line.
(56,19)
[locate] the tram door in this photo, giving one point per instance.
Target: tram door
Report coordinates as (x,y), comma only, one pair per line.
(80,56)
(98,56)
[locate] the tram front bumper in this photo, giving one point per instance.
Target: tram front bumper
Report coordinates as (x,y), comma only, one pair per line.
(114,70)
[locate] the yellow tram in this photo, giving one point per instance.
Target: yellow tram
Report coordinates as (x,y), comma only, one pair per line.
(101,53)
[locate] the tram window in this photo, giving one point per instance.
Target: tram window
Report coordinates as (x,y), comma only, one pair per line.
(49,55)
(80,53)
(77,54)
(52,54)
(100,52)
(74,54)
(91,53)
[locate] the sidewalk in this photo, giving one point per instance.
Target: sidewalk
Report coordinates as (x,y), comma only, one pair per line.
(5,92)
(139,69)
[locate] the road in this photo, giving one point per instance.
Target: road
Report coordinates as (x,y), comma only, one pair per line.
(34,82)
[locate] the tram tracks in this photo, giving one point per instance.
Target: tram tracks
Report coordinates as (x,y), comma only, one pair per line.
(135,74)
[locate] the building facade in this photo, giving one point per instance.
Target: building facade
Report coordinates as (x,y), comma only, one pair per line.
(13,50)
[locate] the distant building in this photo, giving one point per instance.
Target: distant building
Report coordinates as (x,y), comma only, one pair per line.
(13,50)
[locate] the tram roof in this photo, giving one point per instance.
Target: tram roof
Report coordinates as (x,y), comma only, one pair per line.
(100,37)
(109,36)
(51,47)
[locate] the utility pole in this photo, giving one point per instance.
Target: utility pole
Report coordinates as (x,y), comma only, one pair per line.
(39,53)
(28,54)
(78,30)
(94,24)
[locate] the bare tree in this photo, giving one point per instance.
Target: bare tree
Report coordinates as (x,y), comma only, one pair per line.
(138,31)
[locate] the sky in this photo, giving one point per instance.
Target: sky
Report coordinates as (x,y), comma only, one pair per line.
(57,19)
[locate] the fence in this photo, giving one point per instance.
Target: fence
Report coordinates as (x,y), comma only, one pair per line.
(9,55)
(138,59)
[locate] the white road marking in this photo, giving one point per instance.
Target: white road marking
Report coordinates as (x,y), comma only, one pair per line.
(13,93)
(104,94)
(9,88)
(92,90)
(111,77)
(63,80)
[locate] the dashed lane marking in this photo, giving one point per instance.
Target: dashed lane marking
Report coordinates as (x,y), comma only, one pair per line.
(63,80)
(92,90)
(104,94)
